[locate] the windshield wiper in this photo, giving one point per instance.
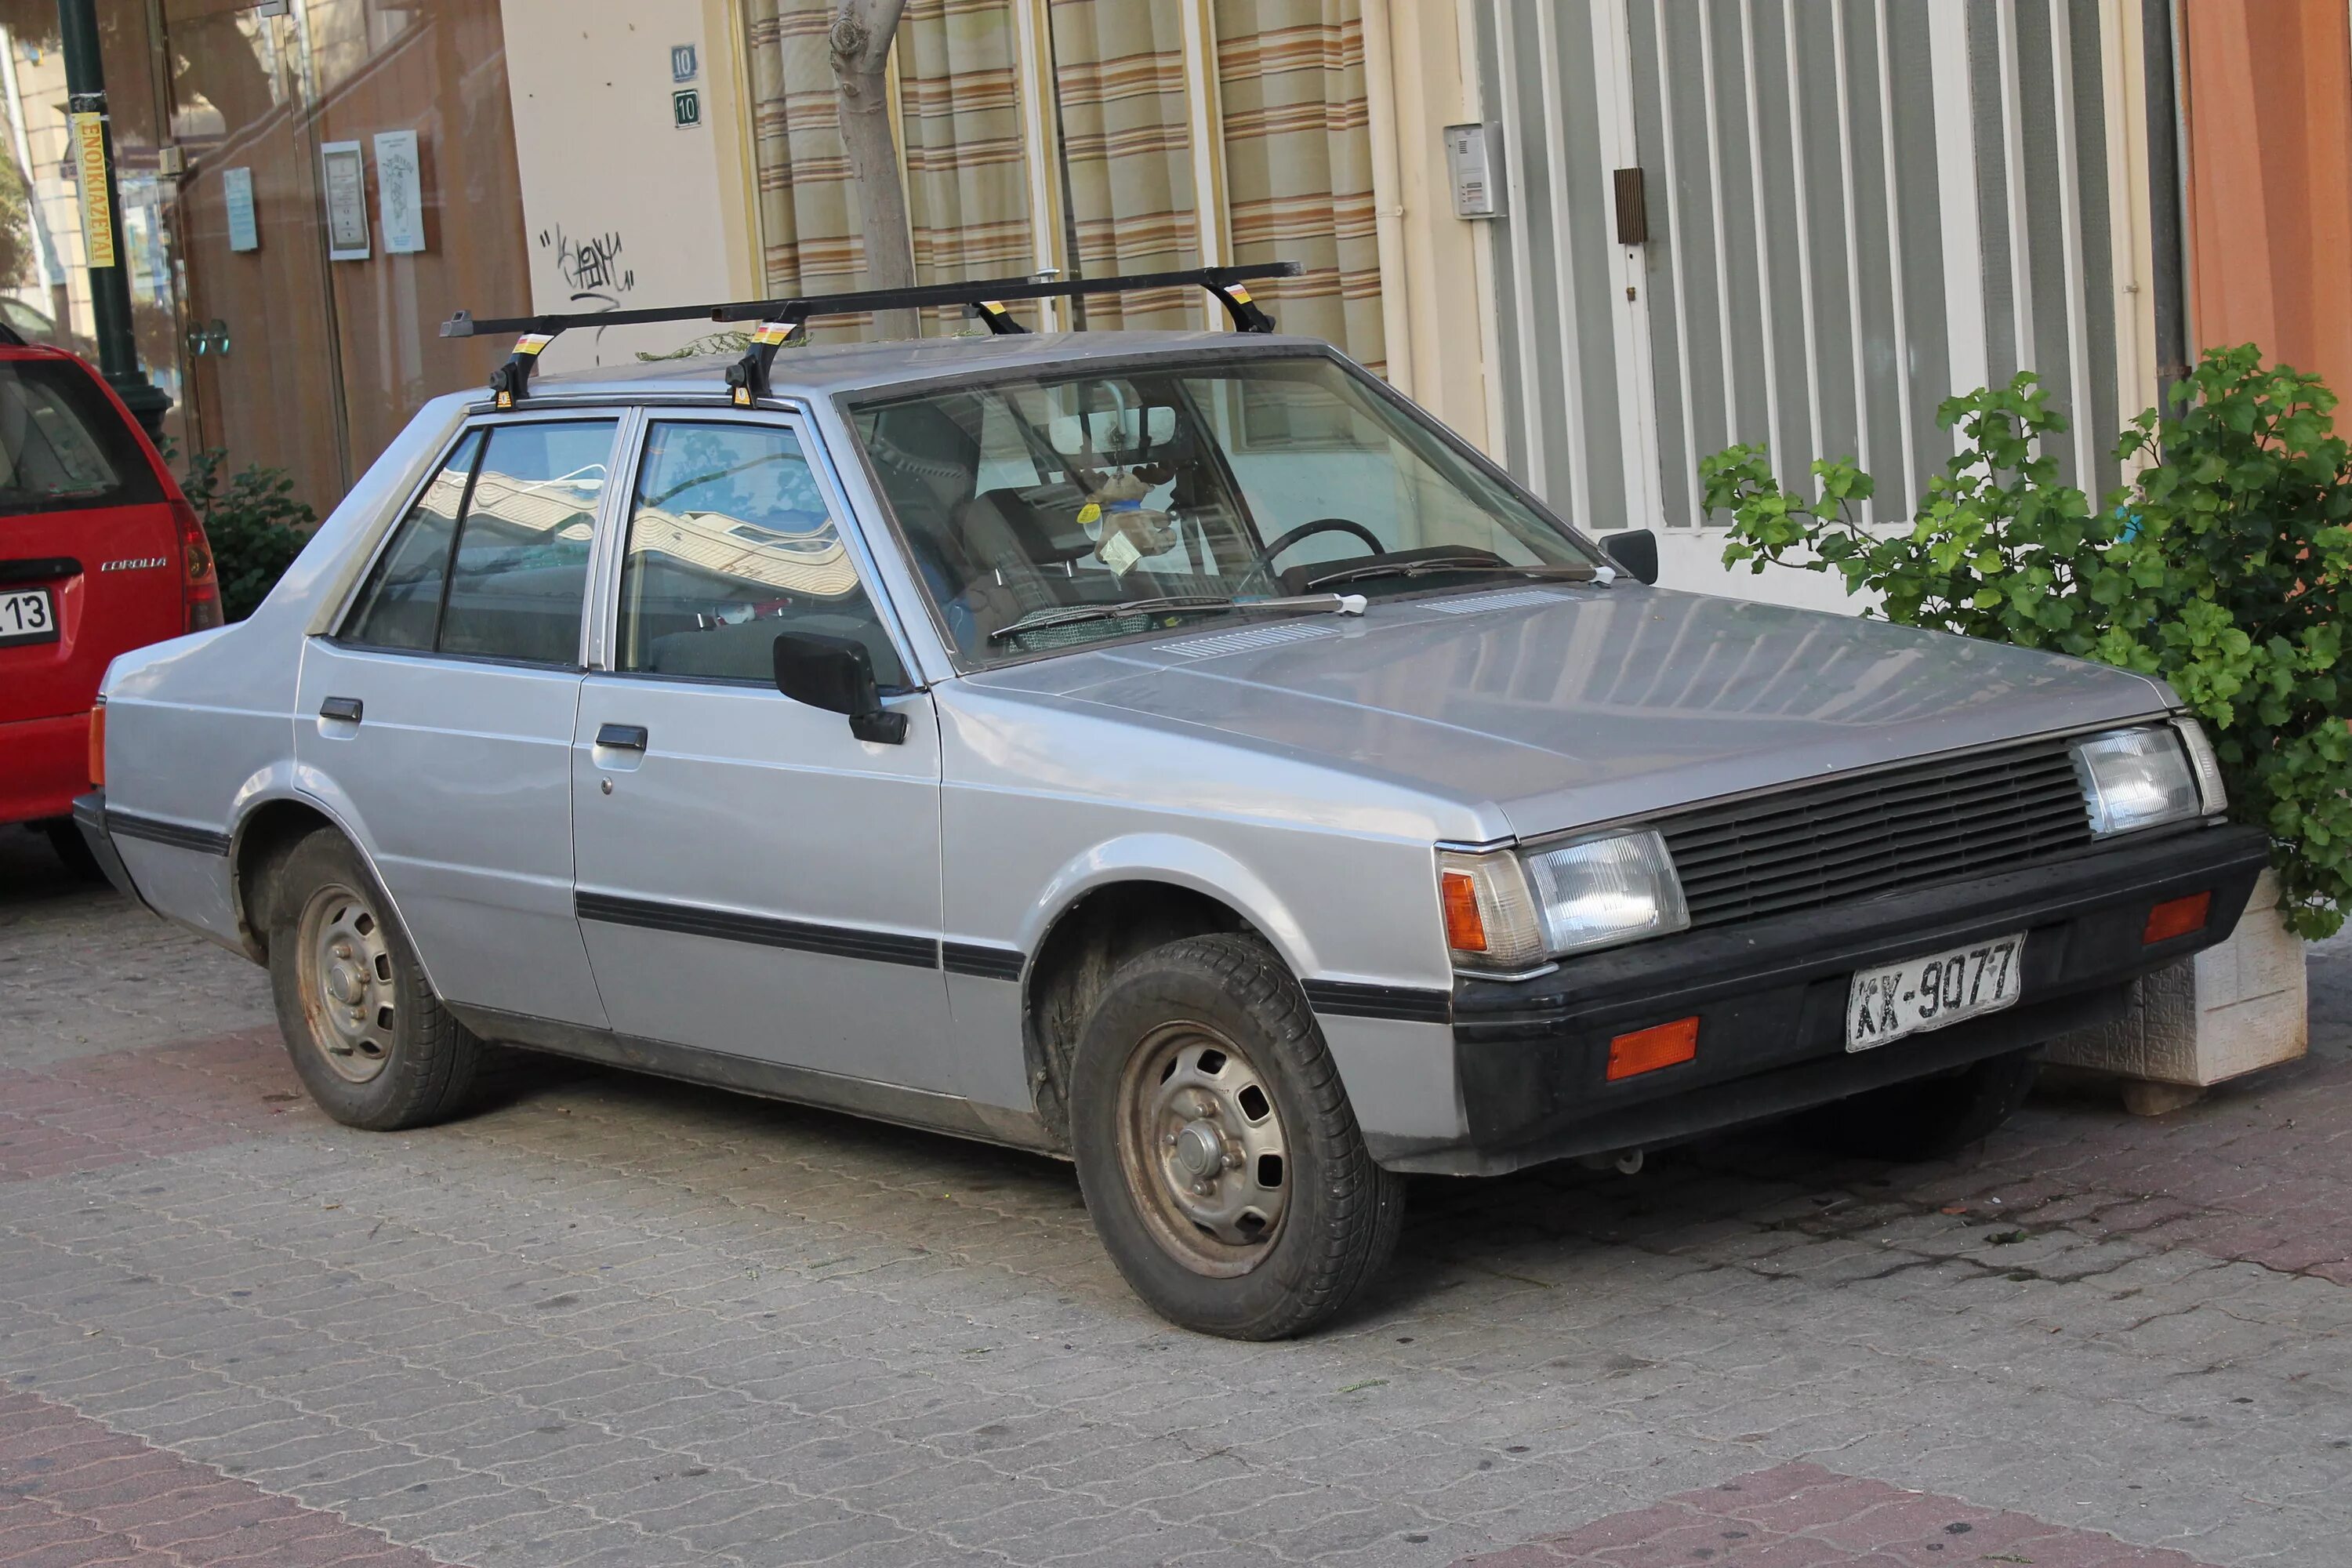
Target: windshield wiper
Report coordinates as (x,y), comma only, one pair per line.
(1426,566)
(1329,604)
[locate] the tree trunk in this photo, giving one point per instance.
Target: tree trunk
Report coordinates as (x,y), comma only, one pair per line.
(863,31)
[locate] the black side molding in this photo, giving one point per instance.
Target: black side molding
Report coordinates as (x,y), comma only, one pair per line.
(155,830)
(764,930)
(982,960)
(1351,999)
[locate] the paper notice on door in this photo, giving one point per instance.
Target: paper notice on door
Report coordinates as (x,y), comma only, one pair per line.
(89,166)
(237,194)
(343,174)
(399,191)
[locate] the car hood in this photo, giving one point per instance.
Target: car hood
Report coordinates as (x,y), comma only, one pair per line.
(1546,709)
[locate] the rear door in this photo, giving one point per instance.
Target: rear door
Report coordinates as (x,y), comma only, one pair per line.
(90,552)
(440,715)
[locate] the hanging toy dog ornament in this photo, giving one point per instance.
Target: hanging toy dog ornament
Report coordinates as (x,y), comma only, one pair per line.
(1124,529)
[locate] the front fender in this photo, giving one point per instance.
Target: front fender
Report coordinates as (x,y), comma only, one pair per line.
(1182,862)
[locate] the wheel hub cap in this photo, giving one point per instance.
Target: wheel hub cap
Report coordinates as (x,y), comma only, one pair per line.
(347,987)
(1200,1151)
(1204,1149)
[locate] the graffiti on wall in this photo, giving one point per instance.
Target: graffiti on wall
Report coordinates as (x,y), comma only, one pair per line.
(591,268)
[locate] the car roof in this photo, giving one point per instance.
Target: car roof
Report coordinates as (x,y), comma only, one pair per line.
(828,369)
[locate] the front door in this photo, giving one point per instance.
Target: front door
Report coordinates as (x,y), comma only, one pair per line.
(439,719)
(753,879)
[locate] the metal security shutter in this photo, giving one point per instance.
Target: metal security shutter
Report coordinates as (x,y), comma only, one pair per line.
(1855,208)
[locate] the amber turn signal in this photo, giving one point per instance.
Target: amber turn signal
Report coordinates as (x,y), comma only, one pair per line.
(1647,1051)
(97,747)
(2177,917)
(1466,931)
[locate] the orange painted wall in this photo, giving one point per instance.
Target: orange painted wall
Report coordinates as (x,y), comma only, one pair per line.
(2269,111)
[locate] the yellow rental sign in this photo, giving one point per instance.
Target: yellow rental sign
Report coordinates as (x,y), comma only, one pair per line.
(97,216)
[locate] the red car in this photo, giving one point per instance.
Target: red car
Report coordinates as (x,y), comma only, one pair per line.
(99,552)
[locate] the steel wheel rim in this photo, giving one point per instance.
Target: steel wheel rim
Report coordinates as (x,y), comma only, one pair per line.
(1203,1149)
(347,991)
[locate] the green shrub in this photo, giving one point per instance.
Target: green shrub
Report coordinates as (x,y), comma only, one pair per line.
(2222,568)
(256,525)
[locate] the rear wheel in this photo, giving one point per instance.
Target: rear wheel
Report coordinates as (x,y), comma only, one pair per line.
(65,837)
(1928,1118)
(1216,1149)
(369,1039)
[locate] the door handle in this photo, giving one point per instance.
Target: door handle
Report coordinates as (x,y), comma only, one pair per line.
(347,709)
(622,737)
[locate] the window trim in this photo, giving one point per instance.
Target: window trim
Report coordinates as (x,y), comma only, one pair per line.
(339,625)
(605,586)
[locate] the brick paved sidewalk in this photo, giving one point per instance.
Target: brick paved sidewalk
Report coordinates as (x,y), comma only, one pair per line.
(619,1322)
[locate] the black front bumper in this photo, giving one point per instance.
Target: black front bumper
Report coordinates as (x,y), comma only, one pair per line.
(89,816)
(1770,998)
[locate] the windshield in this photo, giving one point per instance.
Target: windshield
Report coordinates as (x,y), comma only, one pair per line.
(1058,511)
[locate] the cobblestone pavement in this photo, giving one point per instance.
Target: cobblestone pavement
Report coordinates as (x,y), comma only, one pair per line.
(616,1322)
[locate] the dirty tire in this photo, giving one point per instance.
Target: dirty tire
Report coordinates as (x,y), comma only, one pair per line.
(1928,1118)
(413,1064)
(1339,1214)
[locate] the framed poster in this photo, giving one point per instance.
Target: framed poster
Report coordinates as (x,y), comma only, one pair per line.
(344,182)
(399,193)
(236,193)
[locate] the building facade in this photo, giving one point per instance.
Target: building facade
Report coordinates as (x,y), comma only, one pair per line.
(1800,221)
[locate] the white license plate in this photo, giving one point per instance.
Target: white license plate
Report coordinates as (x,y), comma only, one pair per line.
(1888,1000)
(28,615)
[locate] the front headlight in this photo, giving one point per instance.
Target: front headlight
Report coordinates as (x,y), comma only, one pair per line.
(2136,778)
(1506,913)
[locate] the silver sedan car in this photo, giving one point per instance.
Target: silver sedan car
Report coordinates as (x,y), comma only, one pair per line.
(1172,751)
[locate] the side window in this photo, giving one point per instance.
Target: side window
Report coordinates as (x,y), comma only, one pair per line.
(520,569)
(401,605)
(731,542)
(493,559)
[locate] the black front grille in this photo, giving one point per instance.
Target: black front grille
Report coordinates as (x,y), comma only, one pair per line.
(1848,838)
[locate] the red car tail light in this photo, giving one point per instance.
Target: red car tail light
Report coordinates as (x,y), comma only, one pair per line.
(199,585)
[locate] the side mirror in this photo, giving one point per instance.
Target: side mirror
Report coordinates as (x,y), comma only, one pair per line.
(1636,550)
(836,674)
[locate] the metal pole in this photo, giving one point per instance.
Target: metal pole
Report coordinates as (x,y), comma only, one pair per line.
(102,238)
(2167,243)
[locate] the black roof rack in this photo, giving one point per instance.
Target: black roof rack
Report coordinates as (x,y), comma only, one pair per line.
(780,318)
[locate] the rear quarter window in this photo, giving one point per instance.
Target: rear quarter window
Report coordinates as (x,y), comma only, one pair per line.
(63,443)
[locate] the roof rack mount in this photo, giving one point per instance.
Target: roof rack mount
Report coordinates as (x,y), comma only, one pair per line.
(747,378)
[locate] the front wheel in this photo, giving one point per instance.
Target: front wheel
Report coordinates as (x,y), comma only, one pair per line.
(369,1039)
(1216,1149)
(1927,1117)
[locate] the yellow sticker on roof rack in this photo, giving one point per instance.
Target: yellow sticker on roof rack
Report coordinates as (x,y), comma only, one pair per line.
(773,332)
(531,342)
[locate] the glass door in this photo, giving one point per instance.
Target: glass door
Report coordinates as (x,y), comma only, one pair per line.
(261,348)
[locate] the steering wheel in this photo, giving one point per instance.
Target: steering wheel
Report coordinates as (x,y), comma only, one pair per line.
(1264,564)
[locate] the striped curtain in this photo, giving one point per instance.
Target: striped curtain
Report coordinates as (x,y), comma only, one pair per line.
(960,123)
(1119,80)
(808,213)
(1298,163)
(967,189)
